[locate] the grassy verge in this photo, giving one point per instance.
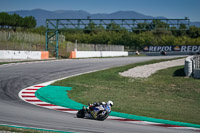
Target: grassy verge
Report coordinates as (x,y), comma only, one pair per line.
(167,94)
(12,129)
(22,61)
(2,63)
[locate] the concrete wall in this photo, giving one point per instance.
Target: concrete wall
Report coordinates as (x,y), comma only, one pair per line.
(11,54)
(89,54)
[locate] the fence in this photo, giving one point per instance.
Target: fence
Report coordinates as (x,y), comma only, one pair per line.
(192,66)
(10,40)
(93,47)
(21,37)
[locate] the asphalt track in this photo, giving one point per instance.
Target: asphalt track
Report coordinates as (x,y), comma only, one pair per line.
(14,111)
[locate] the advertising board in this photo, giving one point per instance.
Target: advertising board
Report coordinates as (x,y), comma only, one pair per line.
(186,48)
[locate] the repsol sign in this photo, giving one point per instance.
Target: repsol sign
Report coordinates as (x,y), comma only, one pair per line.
(172,48)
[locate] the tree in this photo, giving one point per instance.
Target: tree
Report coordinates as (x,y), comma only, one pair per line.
(181,31)
(142,27)
(99,28)
(15,21)
(32,22)
(89,29)
(158,24)
(29,22)
(113,26)
(194,32)
(4,19)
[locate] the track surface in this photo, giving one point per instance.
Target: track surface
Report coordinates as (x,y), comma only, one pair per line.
(13,111)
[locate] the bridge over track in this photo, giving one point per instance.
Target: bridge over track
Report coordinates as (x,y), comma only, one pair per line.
(54,26)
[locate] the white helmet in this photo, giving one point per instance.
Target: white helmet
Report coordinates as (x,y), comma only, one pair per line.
(110,103)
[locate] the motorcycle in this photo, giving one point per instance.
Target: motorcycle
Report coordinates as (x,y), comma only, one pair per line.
(97,113)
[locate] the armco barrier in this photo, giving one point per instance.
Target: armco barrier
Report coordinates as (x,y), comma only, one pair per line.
(197,73)
(90,54)
(196,66)
(11,54)
(192,66)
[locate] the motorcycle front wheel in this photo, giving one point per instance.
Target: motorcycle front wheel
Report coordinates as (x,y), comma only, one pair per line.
(102,118)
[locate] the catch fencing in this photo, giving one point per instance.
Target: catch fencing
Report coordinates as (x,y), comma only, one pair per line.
(21,37)
(93,47)
(66,48)
(10,40)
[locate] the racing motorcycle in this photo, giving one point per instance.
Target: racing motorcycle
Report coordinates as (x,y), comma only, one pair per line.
(95,112)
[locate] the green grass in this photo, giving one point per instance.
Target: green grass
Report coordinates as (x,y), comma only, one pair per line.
(167,94)
(2,63)
(6,129)
(23,61)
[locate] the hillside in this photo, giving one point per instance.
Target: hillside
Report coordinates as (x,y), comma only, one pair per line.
(41,15)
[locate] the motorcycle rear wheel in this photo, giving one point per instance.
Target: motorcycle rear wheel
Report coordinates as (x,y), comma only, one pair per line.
(81,113)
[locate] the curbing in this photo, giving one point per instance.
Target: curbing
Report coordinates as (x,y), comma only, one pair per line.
(48,94)
(57,95)
(162,121)
(28,93)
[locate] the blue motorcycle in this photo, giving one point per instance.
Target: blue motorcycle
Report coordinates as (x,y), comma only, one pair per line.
(100,112)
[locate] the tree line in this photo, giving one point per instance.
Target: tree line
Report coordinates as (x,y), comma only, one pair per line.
(136,39)
(113,34)
(13,21)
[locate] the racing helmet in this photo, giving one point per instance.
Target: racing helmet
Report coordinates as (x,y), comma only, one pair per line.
(103,103)
(110,103)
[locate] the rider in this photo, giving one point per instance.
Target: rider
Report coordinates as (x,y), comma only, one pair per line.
(96,108)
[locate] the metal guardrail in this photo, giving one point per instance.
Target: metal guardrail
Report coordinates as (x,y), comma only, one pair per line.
(192,66)
(196,66)
(196,62)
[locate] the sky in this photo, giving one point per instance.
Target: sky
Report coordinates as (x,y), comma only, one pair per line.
(168,8)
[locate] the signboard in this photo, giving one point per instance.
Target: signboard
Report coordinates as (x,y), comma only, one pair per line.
(187,48)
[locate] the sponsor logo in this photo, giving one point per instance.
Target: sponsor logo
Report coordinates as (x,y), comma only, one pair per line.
(172,48)
(146,48)
(159,48)
(177,48)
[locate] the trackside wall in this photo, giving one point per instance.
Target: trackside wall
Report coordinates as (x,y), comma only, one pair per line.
(90,54)
(11,54)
